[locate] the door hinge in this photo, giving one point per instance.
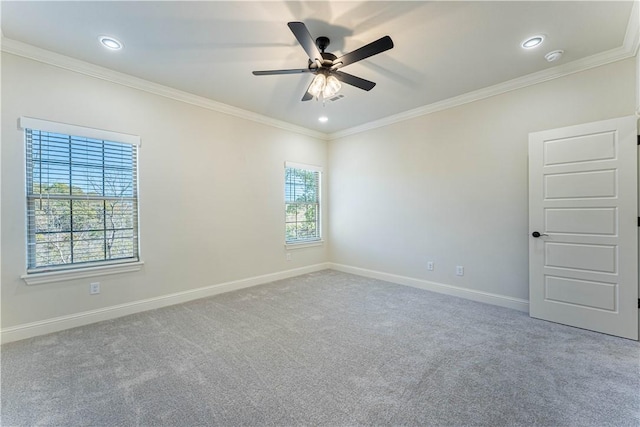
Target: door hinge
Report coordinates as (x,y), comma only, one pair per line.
(638,302)
(638,139)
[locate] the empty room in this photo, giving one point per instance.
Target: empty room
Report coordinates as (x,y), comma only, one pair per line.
(336,213)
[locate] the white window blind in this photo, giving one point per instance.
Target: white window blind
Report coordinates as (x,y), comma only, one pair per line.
(302,203)
(82,199)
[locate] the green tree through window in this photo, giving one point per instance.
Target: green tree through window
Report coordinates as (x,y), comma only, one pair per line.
(302,204)
(81,200)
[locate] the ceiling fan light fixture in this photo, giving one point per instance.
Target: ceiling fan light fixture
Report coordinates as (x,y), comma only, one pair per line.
(331,87)
(317,85)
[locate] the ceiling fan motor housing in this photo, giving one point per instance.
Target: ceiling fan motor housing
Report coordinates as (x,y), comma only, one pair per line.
(327,60)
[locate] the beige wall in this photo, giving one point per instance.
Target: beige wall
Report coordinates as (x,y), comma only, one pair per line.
(451,187)
(211,191)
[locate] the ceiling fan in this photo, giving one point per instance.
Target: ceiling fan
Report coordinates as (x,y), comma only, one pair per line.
(325,65)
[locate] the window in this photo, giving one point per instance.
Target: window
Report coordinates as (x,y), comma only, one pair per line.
(302,203)
(82,196)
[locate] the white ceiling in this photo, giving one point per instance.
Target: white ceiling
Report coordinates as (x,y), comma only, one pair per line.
(209,48)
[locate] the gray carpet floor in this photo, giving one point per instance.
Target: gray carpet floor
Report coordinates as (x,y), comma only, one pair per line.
(326,348)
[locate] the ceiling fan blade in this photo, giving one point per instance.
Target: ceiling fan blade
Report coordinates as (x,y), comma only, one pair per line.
(373,48)
(353,80)
(306,41)
(307,96)
(275,72)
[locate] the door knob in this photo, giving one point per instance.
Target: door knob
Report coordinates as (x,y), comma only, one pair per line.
(537,234)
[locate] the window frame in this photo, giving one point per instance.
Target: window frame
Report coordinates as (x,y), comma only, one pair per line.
(62,272)
(316,241)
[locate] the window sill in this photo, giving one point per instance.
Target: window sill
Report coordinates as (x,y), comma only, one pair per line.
(80,273)
(304,244)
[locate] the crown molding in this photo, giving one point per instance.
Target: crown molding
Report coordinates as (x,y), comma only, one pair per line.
(583,64)
(632,35)
(61,61)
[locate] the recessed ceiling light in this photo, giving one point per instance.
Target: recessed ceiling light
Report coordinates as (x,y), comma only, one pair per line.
(323,119)
(110,43)
(532,42)
(554,56)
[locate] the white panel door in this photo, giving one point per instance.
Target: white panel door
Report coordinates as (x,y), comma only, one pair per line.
(583,225)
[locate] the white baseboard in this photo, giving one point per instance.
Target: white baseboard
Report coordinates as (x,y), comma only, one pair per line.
(56,324)
(485,297)
(28,330)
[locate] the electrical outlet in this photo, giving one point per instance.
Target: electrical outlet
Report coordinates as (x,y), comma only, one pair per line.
(94,288)
(430,265)
(459,270)
(288,257)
